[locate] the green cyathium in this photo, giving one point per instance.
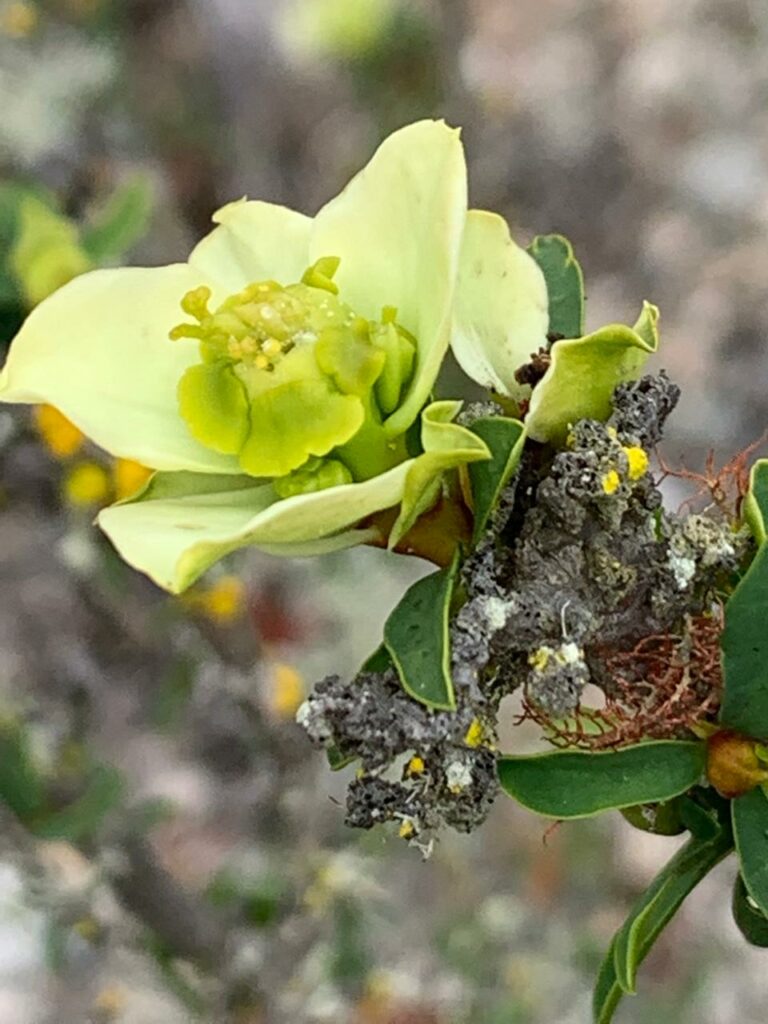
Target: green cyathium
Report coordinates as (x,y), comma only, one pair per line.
(289,375)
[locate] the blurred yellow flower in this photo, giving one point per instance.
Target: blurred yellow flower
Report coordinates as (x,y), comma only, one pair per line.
(18,20)
(60,436)
(87,483)
(87,928)
(286,690)
(127,477)
(110,1002)
(222,602)
(337,28)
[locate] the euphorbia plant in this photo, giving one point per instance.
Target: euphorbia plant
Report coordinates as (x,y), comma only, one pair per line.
(280,384)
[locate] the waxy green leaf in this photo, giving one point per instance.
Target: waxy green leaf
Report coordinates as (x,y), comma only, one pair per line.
(337,760)
(81,818)
(446,445)
(505,440)
(416,636)
(21,784)
(745,637)
(379,661)
(565,284)
(650,915)
(576,784)
(750,920)
(750,832)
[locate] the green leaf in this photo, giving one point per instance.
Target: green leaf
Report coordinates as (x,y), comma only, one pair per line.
(704,812)
(756,501)
(120,222)
(565,284)
(82,817)
(649,916)
(750,920)
(750,831)
(607,994)
(660,819)
(447,445)
(379,661)
(46,251)
(505,439)
(584,372)
(21,784)
(416,636)
(745,638)
(337,760)
(576,784)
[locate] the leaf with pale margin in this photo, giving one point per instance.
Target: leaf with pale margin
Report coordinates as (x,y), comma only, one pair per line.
(577,784)
(417,637)
(650,915)
(750,831)
(565,284)
(750,920)
(505,439)
(745,637)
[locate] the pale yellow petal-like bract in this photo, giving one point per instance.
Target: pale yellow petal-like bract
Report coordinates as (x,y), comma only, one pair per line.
(397,229)
(98,350)
(501,311)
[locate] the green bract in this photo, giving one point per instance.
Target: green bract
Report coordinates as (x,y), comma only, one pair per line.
(272,378)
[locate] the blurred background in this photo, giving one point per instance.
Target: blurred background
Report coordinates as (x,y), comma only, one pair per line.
(171,848)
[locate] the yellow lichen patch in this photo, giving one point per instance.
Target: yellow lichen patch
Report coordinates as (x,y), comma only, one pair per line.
(539,659)
(18,20)
(415,766)
(637,462)
(611,482)
(474,734)
(86,484)
(61,437)
(407,829)
(128,476)
(286,690)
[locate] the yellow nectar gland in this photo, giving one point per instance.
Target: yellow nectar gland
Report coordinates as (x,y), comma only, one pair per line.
(257,326)
(415,766)
(290,373)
